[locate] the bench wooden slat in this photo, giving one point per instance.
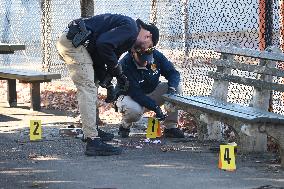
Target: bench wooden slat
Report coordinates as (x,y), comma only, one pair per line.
(251,53)
(262,85)
(249,67)
(10,48)
(218,107)
(27,75)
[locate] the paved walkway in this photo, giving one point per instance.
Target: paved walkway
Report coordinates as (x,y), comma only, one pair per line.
(57,162)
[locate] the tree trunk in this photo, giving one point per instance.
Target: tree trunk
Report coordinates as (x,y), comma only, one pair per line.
(87,8)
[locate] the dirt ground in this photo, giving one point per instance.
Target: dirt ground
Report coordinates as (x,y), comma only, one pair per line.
(59,162)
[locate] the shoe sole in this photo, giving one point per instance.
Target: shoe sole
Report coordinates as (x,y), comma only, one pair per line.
(105,140)
(123,136)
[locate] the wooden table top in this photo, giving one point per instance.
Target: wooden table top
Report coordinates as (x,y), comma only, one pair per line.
(6,48)
(28,75)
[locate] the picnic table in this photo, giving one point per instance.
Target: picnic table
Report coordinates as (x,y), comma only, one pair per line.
(6,48)
(34,78)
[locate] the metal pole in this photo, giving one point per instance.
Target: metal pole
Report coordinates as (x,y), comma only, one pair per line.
(262,24)
(269,37)
(153,16)
(186,30)
(265,23)
(266,32)
(281,23)
(268,23)
(46,34)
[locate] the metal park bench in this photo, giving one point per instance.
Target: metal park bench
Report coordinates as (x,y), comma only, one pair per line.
(253,120)
(24,76)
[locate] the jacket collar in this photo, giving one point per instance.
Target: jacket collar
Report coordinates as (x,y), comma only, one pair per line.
(137,66)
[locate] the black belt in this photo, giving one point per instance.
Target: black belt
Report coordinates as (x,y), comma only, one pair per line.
(78,32)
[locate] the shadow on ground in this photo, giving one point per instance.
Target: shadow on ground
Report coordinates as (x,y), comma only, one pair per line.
(59,162)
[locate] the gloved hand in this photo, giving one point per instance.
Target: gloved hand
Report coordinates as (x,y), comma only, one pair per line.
(116,71)
(159,114)
(171,91)
(123,83)
(106,82)
(111,94)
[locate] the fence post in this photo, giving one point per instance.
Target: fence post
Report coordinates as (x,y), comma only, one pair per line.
(281,24)
(266,32)
(46,34)
(265,23)
(186,30)
(153,15)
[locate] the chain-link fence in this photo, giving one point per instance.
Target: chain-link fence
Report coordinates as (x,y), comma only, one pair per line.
(190,31)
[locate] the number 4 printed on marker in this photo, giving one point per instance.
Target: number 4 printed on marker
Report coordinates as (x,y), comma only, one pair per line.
(227,155)
(227,158)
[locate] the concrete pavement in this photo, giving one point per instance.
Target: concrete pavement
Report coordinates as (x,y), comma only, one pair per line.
(57,162)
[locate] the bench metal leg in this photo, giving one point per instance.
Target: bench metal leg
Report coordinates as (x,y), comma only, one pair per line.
(35,95)
(11,92)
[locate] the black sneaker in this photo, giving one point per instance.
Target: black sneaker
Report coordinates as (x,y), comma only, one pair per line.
(105,136)
(123,132)
(102,134)
(173,133)
(96,147)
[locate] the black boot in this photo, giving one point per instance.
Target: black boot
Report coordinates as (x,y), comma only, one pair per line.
(173,133)
(96,147)
(123,132)
(102,134)
(105,136)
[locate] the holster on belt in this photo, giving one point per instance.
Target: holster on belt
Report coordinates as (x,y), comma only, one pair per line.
(78,32)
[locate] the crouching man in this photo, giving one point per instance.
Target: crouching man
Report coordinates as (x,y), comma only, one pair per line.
(143,70)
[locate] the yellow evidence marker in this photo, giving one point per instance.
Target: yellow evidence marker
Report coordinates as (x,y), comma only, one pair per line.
(153,129)
(227,159)
(35,130)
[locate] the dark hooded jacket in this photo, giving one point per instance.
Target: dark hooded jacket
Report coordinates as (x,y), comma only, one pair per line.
(144,80)
(112,35)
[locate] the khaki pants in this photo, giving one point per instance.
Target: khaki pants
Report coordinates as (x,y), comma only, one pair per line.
(80,66)
(132,111)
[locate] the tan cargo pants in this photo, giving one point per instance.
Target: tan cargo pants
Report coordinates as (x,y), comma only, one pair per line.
(132,111)
(80,66)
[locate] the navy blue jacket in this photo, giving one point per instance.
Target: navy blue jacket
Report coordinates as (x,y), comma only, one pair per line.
(144,81)
(113,35)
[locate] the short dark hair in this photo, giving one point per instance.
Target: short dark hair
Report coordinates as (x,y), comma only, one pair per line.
(151,28)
